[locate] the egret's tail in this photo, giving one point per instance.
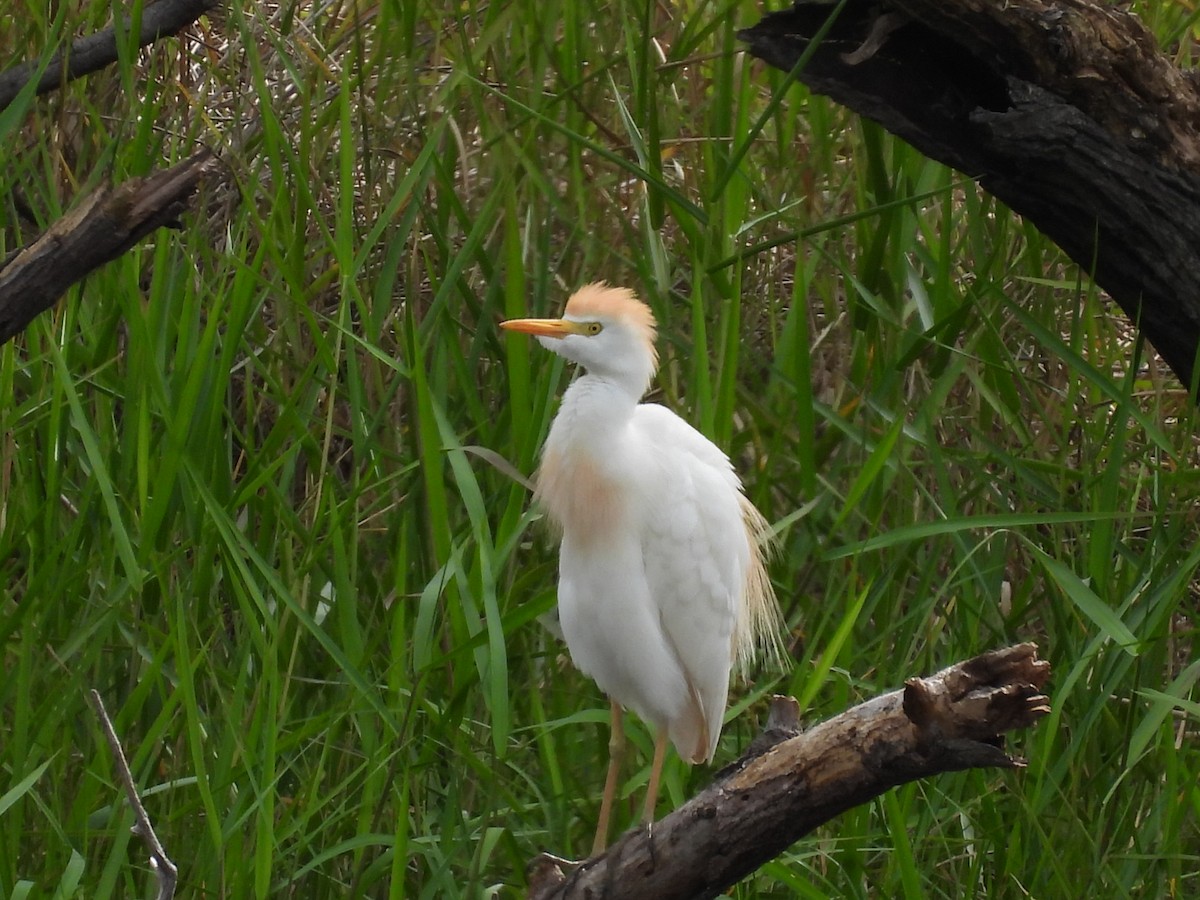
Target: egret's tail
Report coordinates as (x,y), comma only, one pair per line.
(759,629)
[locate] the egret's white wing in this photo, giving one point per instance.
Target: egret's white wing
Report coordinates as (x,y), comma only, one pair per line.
(697,553)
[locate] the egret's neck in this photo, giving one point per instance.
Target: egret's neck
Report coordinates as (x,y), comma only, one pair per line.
(579,481)
(593,413)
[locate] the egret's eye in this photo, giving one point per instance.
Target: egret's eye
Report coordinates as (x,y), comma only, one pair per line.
(593,328)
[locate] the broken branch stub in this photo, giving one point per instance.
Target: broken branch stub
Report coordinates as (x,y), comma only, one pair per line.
(104,225)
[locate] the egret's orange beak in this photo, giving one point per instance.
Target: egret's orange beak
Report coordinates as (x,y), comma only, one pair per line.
(553,328)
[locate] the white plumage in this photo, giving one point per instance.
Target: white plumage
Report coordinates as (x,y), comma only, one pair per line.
(661,580)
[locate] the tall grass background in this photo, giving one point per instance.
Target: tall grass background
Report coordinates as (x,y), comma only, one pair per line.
(247,492)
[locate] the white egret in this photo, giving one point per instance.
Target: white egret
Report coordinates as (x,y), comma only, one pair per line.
(662,587)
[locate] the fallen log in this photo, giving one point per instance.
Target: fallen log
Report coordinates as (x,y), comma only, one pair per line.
(790,782)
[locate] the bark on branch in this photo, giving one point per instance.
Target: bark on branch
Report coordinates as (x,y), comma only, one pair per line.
(792,782)
(95,51)
(1066,111)
(104,225)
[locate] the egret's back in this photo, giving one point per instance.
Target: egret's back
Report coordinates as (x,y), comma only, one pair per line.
(709,586)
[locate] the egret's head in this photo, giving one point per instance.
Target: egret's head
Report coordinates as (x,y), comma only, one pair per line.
(607,330)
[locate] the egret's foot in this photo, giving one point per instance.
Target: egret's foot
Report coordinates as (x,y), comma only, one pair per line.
(558,861)
(650,843)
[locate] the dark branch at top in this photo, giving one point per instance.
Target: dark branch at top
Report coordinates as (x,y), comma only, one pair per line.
(1066,111)
(95,51)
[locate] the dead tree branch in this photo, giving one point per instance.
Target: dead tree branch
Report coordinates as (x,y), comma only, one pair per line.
(1065,110)
(165,871)
(103,226)
(766,801)
(95,51)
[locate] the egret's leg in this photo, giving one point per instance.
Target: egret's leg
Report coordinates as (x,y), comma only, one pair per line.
(660,754)
(616,752)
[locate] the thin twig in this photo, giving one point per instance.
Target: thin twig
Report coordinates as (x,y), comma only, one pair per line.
(165,871)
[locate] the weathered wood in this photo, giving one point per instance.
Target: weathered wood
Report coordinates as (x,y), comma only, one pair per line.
(1066,111)
(95,51)
(100,228)
(763,803)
